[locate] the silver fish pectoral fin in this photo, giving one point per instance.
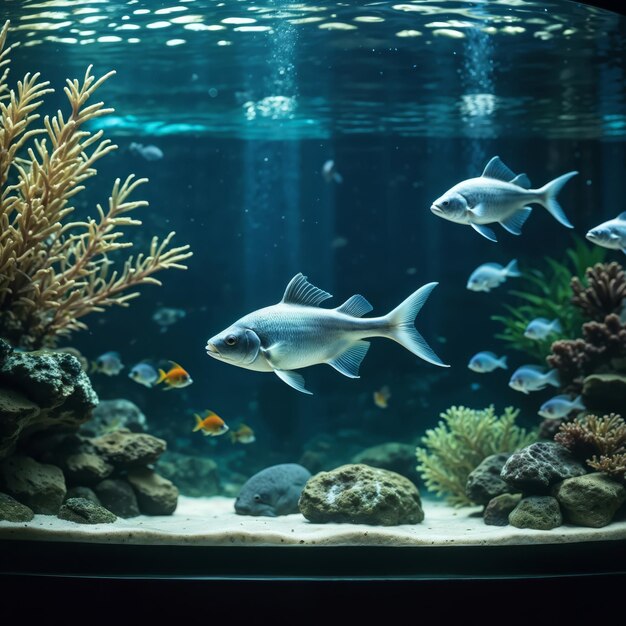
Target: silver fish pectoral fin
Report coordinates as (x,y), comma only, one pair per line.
(485,231)
(293,379)
(349,361)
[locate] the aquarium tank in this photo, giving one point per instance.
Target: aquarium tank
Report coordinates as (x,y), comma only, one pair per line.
(304,282)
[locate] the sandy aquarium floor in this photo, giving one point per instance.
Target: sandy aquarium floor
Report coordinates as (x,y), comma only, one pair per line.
(213,522)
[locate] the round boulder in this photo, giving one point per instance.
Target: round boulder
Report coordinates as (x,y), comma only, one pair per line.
(590,500)
(360,494)
(537,512)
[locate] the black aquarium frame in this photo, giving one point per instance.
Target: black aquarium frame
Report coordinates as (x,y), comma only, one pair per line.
(566,579)
(27,558)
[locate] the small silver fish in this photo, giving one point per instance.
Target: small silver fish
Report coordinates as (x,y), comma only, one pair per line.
(498,195)
(561,406)
(166,316)
(144,374)
(540,328)
(490,275)
(297,333)
(149,153)
(483,362)
(611,234)
(529,378)
(330,173)
(108,363)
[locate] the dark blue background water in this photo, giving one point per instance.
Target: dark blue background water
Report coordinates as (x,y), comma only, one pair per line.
(401,117)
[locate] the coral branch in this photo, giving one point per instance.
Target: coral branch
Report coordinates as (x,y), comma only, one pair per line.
(53,271)
(605,291)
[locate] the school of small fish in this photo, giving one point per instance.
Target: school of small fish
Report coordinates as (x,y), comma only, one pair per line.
(297,332)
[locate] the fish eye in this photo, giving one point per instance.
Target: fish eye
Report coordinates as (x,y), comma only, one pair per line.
(257,497)
(231,340)
(446,202)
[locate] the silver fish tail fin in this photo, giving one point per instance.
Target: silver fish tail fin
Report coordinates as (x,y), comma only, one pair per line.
(502,363)
(578,403)
(401,325)
(512,269)
(556,326)
(552,378)
(548,199)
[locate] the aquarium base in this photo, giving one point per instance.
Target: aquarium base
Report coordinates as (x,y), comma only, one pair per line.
(213,522)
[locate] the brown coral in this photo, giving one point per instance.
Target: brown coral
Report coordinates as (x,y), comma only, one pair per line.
(613,465)
(604,293)
(53,272)
(590,436)
(603,345)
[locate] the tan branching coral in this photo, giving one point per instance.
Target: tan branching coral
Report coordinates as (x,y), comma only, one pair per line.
(599,441)
(604,293)
(614,465)
(53,271)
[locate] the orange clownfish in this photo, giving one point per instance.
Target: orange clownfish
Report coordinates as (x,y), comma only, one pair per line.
(211,424)
(243,434)
(176,377)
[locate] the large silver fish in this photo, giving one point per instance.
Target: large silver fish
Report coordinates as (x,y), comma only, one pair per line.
(296,333)
(498,195)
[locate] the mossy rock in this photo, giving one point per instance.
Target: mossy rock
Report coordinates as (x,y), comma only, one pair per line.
(83,511)
(13,511)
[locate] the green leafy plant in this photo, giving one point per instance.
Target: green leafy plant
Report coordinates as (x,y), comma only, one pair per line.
(460,442)
(547,293)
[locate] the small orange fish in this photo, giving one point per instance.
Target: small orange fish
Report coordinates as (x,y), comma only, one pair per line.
(211,424)
(243,434)
(381,397)
(177,377)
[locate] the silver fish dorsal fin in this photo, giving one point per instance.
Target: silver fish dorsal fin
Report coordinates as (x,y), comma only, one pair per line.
(622,216)
(498,170)
(357,306)
(300,291)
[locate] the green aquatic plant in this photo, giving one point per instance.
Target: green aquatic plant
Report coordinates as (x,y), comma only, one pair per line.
(460,442)
(548,293)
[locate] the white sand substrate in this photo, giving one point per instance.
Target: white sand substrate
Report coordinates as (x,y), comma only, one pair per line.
(213,522)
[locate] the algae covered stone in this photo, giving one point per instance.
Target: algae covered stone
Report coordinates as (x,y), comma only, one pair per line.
(155,495)
(537,512)
(13,511)
(360,494)
(125,450)
(83,511)
(590,500)
(37,485)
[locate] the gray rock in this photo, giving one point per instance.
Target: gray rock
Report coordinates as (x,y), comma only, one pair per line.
(392,456)
(590,500)
(126,450)
(194,476)
(534,469)
(118,497)
(82,492)
(39,391)
(84,511)
(37,485)
(272,491)
(359,494)
(13,511)
(113,414)
(497,511)
(85,468)
(537,512)
(484,482)
(155,495)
